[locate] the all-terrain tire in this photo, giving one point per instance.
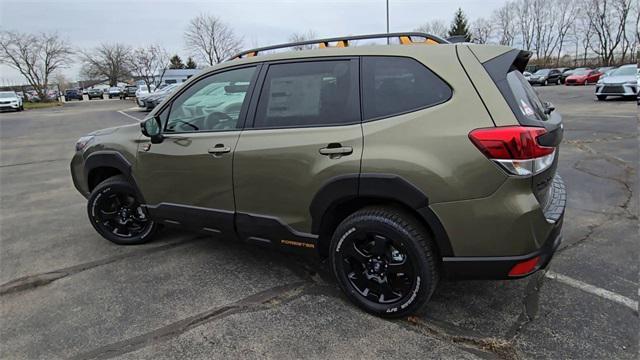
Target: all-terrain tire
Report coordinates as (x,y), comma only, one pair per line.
(405,237)
(118,186)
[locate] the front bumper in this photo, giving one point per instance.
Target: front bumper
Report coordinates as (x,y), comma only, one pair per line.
(617,89)
(13,106)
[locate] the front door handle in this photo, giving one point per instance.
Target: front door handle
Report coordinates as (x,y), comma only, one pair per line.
(334,150)
(219,149)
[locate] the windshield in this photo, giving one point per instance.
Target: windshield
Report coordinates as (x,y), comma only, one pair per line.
(624,71)
(7,95)
(542,72)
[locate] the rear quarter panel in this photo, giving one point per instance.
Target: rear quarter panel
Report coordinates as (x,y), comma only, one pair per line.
(430,148)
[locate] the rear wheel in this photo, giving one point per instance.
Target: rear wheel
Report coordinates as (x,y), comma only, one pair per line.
(384,261)
(117,215)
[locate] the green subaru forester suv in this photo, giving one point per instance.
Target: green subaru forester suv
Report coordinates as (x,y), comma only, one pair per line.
(402,164)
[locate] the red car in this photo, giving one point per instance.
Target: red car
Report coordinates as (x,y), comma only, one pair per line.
(583,77)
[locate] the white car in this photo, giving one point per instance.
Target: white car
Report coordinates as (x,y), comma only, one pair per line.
(9,100)
(622,81)
(142,93)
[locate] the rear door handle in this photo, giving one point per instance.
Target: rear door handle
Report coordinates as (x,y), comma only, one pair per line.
(333,150)
(219,149)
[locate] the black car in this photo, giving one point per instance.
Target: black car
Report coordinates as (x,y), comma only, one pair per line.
(71,94)
(94,94)
(128,91)
(545,77)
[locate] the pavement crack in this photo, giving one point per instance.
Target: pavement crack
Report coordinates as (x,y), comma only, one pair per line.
(33,162)
(41,279)
(263,300)
(484,347)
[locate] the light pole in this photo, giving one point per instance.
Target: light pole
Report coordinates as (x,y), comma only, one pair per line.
(387,21)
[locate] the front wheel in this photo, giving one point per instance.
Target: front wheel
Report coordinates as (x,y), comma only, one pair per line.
(384,261)
(602,97)
(117,215)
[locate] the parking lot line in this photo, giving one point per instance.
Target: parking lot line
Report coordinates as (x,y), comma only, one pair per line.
(129,116)
(606,294)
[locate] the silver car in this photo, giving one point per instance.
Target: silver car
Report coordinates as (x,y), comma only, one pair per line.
(621,82)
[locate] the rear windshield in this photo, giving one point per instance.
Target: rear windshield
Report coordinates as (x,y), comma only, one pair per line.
(528,102)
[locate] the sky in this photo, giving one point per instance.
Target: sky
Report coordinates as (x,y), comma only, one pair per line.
(87,23)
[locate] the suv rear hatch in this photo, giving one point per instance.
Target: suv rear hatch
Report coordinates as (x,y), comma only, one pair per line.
(530,112)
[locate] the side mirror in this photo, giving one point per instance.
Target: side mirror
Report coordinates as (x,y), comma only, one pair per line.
(152,128)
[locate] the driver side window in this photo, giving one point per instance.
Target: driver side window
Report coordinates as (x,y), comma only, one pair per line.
(211,104)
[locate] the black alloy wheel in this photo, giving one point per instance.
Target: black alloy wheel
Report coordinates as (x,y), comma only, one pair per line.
(384,262)
(117,215)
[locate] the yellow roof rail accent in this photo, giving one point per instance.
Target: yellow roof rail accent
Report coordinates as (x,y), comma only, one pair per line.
(342,42)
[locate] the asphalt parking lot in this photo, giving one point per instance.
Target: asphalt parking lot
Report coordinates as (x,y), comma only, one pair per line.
(67,293)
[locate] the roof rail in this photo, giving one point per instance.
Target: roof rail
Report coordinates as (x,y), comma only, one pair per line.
(405,39)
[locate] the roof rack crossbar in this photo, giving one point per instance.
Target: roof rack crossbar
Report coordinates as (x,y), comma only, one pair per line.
(405,38)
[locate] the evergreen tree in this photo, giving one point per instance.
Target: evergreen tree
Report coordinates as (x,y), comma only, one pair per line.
(460,26)
(175,62)
(191,64)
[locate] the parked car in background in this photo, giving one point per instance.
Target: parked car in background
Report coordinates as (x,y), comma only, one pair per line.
(9,100)
(545,77)
(114,92)
(623,81)
(95,94)
(583,77)
(71,94)
(128,91)
(85,92)
(526,75)
(604,69)
(142,93)
(565,74)
(156,98)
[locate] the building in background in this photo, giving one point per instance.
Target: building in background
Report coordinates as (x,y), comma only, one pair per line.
(174,76)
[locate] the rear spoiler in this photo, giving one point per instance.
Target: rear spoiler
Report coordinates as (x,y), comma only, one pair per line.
(521,60)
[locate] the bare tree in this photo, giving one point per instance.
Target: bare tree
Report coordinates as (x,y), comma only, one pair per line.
(525,18)
(482,30)
(149,64)
(36,57)
(434,27)
(298,37)
(608,19)
(505,20)
(210,39)
(565,13)
(107,61)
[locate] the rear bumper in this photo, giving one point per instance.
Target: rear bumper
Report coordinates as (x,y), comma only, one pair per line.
(497,268)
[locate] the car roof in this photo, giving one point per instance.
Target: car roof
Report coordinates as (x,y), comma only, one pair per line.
(484,52)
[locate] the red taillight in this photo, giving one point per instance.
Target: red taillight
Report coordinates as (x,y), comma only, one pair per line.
(514,148)
(510,142)
(525,267)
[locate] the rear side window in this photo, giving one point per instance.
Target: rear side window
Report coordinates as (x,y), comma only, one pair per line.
(526,98)
(310,93)
(396,85)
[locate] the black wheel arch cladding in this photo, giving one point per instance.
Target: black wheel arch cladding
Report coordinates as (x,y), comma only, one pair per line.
(344,189)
